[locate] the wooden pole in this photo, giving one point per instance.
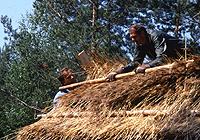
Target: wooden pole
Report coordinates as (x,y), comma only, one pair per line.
(119,76)
(116,113)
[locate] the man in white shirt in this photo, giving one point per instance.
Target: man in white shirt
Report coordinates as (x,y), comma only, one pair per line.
(66,77)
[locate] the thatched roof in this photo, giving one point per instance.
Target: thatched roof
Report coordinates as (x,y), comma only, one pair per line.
(163,104)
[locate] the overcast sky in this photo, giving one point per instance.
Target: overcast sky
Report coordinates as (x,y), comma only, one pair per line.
(14,9)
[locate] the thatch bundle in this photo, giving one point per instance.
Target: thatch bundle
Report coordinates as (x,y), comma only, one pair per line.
(163,104)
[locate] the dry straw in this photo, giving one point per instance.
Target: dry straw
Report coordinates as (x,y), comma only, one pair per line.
(116,110)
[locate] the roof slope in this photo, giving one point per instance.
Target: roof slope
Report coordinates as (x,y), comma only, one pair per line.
(163,104)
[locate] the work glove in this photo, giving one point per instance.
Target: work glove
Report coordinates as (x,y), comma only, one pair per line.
(111,76)
(142,68)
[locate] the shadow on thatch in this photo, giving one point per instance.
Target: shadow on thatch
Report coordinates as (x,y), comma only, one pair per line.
(116,110)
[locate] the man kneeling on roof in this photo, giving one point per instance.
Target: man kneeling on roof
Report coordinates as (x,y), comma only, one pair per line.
(66,77)
(157,46)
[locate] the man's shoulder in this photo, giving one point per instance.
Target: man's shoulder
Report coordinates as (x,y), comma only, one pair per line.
(157,34)
(61,93)
(154,32)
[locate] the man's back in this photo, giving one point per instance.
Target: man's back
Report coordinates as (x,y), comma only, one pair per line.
(171,42)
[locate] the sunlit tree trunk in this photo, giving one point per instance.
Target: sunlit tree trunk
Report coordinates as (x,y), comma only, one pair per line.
(95,5)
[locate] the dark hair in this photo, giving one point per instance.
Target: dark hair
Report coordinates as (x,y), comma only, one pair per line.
(66,76)
(138,28)
(61,79)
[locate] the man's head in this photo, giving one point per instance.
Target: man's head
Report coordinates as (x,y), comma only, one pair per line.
(138,34)
(66,76)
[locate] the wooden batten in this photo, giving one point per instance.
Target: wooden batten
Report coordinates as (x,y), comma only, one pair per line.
(119,76)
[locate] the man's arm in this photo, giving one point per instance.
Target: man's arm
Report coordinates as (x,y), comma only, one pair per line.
(138,59)
(139,55)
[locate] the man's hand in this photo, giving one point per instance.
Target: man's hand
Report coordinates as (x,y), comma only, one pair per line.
(142,68)
(111,76)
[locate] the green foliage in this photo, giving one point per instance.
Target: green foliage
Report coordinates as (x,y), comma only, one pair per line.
(29,70)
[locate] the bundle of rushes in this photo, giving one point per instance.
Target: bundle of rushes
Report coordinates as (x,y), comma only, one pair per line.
(163,104)
(100,66)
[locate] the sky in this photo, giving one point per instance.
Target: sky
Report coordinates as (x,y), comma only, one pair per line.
(14,9)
